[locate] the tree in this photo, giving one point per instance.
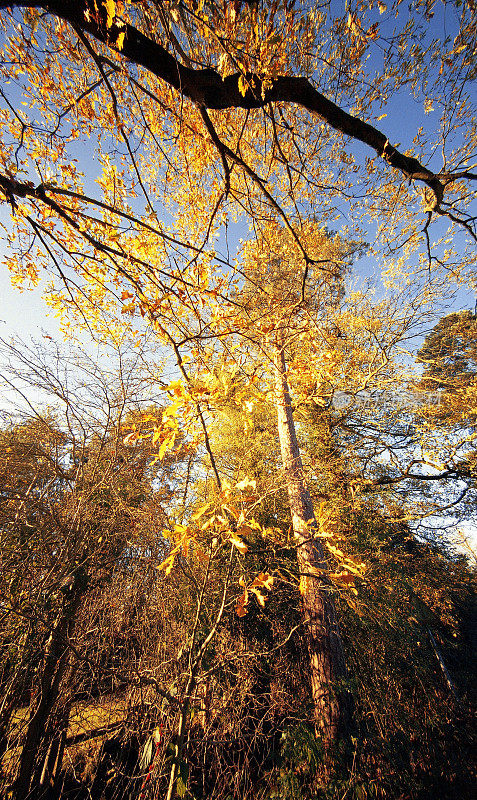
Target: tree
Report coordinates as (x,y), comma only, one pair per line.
(276,304)
(199,115)
(75,498)
(449,353)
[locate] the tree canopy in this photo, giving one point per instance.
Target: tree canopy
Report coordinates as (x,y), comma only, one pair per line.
(222,531)
(195,115)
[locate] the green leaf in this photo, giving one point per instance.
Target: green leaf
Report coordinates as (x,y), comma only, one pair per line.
(181,783)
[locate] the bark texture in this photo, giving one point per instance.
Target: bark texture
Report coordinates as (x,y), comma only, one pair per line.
(327,662)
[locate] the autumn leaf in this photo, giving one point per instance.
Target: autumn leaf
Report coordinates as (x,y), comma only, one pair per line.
(260,597)
(110,7)
(343,577)
(265,580)
(120,39)
(246,483)
(176,388)
(167,565)
(245,530)
(262,582)
(240,608)
(239,544)
(166,445)
(201,511)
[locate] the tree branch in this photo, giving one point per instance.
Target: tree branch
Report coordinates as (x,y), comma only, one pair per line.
(207,88)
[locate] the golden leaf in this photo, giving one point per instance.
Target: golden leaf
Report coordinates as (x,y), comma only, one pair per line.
(260,597)
(239,544)
(110,7)
(166,445)
(240,609)
(244,530)
(246,483)
(201,511)
(120,40)
(343,577)
(266,580)
(168,563)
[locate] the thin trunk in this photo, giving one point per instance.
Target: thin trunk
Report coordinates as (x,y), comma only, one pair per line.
(327,664)
(51,770)
(54,666)
(442,664)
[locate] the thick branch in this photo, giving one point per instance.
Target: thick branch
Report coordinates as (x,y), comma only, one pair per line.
(208,89)
(454,474)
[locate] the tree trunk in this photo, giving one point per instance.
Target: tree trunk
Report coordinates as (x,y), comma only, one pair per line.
(54,666)
(332,703)
(50,772)
(11,689)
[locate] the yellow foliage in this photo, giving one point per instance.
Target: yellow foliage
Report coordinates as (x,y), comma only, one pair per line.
(110,7)
(239,544)
(262,582)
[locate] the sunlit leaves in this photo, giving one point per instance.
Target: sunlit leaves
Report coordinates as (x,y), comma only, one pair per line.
(239,544)
(246,483)
(263,582)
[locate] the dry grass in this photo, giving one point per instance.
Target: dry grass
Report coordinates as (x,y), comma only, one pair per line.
(85,718)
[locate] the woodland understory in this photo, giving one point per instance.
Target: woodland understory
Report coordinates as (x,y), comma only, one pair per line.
(238,505)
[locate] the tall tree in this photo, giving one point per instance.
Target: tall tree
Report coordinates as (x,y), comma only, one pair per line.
(277,314)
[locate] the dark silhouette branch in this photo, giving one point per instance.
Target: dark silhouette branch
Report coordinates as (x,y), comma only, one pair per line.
(207,89)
